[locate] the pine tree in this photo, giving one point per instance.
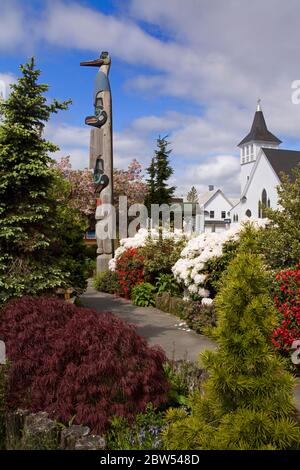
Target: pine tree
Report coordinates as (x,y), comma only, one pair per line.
(150,197)
(248,398)
(159,172)
(192,195)
(28,209)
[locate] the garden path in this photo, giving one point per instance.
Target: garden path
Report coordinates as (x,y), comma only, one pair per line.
(157,327)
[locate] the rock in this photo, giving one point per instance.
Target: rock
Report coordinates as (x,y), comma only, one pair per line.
(90,443)
(69,436)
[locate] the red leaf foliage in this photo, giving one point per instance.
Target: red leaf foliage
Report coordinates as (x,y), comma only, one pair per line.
(287,302)
(72,361)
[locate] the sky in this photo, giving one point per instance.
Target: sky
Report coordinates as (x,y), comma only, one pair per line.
(190,70)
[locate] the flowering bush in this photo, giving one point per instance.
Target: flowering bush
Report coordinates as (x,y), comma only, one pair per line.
(140,240)
(130,183)
(206,256)
(82,190)
(287,302)
(190,270)
(129,272)
(79,364)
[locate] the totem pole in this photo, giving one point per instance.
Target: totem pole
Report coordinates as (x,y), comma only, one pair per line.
(101,150)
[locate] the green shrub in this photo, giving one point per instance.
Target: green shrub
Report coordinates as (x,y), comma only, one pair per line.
(167,283)
(247,401)
(280,241)
(215,267)
(143,295)
(105,282)
(143,434)
(160,256)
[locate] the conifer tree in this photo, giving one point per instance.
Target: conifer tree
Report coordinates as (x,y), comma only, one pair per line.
(247,401)
(192,195)
(150,197)
(159,172)
(28,208)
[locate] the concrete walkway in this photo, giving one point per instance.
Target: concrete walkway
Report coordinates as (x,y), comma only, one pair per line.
(156,326)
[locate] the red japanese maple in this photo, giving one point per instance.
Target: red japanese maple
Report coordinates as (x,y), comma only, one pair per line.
(78,363)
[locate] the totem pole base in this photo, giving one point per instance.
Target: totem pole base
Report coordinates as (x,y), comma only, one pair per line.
(102,262)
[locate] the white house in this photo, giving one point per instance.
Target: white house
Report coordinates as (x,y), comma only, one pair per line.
(216,207)
(262,163)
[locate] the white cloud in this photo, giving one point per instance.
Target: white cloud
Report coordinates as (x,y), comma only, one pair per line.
(12,31)
(221,171)
(67,135)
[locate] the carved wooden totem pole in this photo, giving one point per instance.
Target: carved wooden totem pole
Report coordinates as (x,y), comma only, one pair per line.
(101,151)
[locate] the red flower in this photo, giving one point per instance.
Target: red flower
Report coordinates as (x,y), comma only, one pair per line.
(287,302)
(130,271)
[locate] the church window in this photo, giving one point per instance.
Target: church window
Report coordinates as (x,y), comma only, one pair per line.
(248,213)
(251,148)
(264,202)
(269,203)
(259,209)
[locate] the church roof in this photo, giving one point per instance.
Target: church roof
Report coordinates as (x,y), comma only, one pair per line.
(282,161)
(259,131)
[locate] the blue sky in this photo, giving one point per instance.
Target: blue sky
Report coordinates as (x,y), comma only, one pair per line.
(193,71)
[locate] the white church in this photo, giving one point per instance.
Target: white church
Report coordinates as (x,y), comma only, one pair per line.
(262,163)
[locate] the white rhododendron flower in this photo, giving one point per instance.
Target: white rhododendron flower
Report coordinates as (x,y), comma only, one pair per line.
(206,301)
(189,270)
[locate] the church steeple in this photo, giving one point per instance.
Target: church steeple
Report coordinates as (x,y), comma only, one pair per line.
(258,137)
(259,131)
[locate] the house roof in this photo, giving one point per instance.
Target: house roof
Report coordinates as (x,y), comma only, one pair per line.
(206,197)
(282,161)
(259,131)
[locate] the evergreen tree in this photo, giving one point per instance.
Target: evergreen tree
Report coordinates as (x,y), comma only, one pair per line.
(281,238)
(248,398)
(159,172)
(192,195)
(150,197)
(28,208)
